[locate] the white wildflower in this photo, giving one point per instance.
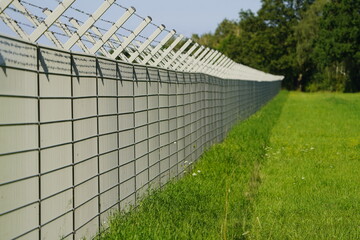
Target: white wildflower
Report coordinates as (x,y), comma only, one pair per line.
(198,171)
(194,174)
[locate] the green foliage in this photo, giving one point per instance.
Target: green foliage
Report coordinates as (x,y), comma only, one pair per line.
(306,32)
(337,48)
(214,199)
(313,43)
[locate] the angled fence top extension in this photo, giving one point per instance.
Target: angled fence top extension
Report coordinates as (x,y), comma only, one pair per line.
(144,43)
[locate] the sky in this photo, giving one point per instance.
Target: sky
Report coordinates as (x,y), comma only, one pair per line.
(191,16)
(185,16)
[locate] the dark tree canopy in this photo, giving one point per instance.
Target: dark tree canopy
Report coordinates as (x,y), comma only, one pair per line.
(313,43)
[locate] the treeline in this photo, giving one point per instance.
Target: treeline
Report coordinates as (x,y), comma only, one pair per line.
(315,44)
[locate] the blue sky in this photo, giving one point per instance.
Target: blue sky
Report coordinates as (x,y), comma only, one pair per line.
(191,16)
(185,16)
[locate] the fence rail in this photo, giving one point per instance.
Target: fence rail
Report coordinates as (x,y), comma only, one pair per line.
(82,135)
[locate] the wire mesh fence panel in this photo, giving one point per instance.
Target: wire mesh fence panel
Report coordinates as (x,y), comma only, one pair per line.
(83,136)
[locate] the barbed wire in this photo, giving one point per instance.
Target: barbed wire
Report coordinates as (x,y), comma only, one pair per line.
(139,16)
(26,13)
(96,37)
(38,18)
(108,21)
(17,22)
(100,19)
(73,29)
(30,4)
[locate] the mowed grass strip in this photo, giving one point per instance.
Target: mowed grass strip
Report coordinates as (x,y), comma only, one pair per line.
(214,199)
(311,179)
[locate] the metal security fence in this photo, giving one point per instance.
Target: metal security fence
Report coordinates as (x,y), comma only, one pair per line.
(117,32)
(82,136)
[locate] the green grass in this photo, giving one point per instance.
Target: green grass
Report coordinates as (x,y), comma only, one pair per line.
(214,204)
(291,171)
(311,179)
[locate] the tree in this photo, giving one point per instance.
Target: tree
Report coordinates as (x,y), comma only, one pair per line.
(313,43)
(268,41)
(337,49)
(306,33)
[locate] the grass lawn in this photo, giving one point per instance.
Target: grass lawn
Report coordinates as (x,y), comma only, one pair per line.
(311,179)
(291,171)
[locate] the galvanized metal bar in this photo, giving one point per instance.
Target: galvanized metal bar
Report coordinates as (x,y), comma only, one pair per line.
(177,54)
(45,25)
(39,142)
(131,37)
(129,12)
(89,37)
(225,72)
(185,56)
(205,62)
(73,146)
(109,43)
(4,4)
(209,66)
(67,31)
(36,22)
(147,42)
(218,64)
(14,26)
(99,34)
(191,59)
(159,46)
(88,24)
(168,50)
(202,55)
(147,54)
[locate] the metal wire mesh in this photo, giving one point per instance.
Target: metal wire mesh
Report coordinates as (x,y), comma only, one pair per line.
(82,136)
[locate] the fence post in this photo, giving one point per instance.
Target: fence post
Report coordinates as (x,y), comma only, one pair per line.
(146,43)
(90,38)
(157,48)
(185,56)
(168,50)
(36,22)
(177,54)
(205,63)
(218,64)
(46,24)
(191,59)
(88,24)
(131,37)
(4,4)
(205,53)
(129,12)
(15,27)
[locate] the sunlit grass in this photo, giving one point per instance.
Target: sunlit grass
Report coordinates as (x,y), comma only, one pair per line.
(291,171)
(311,179)
(214,203)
